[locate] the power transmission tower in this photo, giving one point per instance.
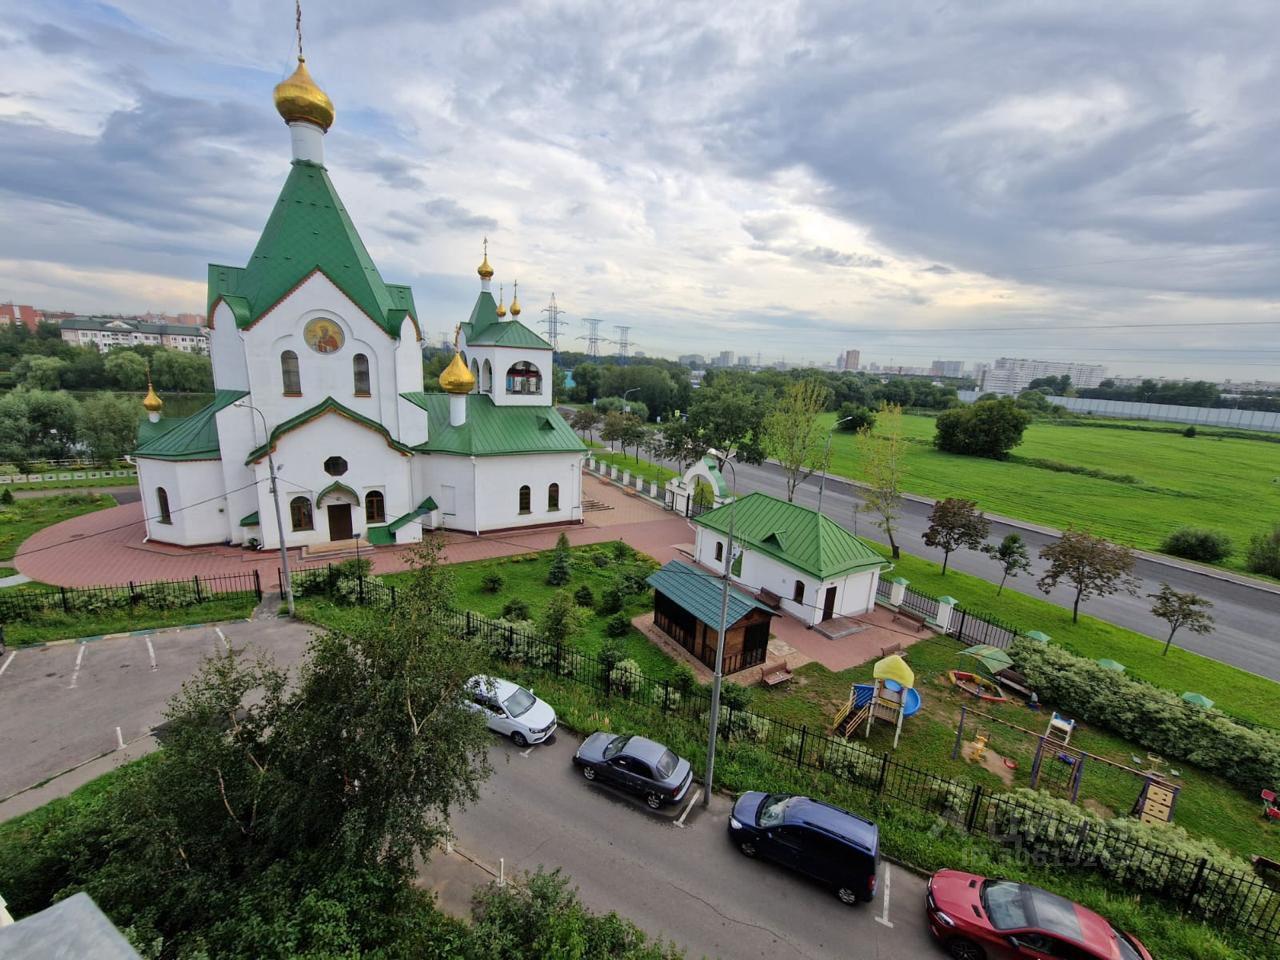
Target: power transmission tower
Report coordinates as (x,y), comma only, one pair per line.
(592,336)
(623,342)
(553,323)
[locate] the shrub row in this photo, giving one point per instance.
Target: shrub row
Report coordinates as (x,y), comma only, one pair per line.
(1156,718)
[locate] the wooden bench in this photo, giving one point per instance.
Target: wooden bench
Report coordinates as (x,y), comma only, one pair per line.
(769,599)
(775,674)
(1015,681)
(906,616)
(1264,864)
(892,648)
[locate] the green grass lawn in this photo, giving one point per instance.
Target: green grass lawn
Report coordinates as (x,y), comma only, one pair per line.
(77,483)
(22,518)
(1204,481)
(58,626)
(7,571)
(638,467)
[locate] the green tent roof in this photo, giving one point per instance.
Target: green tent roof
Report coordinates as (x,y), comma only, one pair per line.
(491,430)
(484,328)
(327,405)
(308,230)
(701,593)
(986,659)
(186,438)
(797,536)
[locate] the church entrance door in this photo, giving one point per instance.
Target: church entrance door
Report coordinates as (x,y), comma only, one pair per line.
(340,521)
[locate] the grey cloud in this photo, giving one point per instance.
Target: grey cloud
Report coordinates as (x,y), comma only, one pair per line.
(53,39)
(457,217)
(939,269)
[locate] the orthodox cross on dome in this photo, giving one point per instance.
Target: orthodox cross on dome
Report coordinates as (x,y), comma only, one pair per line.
(297,9)
(515,299)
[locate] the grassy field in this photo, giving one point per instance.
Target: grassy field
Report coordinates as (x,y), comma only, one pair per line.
(22,518)
(77,483)
(638,468)
(1222,483)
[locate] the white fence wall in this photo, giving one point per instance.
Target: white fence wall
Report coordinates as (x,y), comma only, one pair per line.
(1135,410)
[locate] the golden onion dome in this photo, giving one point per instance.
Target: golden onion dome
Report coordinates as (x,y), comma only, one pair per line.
(456,377)
(502,310)
(152,402)
(485,271)
(515,301)
(299,98)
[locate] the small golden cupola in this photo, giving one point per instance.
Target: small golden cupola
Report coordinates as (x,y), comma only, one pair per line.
(502,310)
(152,402)
(456,378)
(515,300)
(299,98)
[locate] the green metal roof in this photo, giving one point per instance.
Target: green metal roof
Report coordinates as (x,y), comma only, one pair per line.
(421,510)
(251,520)
(795,535)
(308,230)
(325,406)
(186,438)
(483,328)
(491,430)
(701,593)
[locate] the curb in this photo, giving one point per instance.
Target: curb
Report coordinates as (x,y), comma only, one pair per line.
(151,631)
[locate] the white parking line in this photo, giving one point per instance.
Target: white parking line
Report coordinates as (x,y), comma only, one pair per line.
(888,881)
(222,637)
(5,666)
(525,753)
(119,739)
(151,652)
(697,795)
(75,674)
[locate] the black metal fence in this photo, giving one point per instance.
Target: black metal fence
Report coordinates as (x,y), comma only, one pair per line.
(335,582)
(28,602)
(1202,889)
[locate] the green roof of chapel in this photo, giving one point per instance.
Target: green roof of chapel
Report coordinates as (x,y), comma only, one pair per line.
(186,438)
(491,430)
(483,328)
(309,229)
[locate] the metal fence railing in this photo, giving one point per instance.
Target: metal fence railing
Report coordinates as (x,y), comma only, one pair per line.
(336,583)
(23,603)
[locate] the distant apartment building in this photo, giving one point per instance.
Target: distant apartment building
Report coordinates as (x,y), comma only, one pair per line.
(947,368)
(106,333)
(744,361)
(20,314)
(849,360)
(693,360)
(725,359)
(1011,376)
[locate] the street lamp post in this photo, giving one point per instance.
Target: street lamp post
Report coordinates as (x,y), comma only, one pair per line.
(275,498)
(625,394)
(724,628)
(826,456)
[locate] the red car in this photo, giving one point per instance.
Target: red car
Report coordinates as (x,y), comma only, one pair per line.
(979,919)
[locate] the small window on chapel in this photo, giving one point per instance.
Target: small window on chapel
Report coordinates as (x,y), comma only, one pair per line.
(525,499)
(162,498)
(335,466)
(375,507)
(360,367)
(300,514)
(798,595)
(290,374)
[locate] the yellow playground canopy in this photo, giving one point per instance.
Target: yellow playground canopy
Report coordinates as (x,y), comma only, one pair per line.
(896,669)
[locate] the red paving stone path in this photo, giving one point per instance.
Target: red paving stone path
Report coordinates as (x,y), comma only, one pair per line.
(107,547)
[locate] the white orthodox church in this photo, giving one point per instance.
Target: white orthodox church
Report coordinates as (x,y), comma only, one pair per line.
(317,363)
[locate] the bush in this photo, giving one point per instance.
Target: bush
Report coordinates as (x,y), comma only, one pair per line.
(684,679)
(583,596)
(612,653)
(620,550)
(6,497)
(988,428)
(1207,546)
(627,677)
(559,573)
(601,560)
(1263,555)
(355,567)
(515,609)
(492,582)
(618,626)
(1189,432)
(610,601)
(1156,718)
(734,696)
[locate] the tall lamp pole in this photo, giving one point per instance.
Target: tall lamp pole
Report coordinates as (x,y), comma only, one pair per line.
(724,628)
(275,498)
(826,458)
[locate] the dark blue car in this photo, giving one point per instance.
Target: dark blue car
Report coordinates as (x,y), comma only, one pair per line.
(835,847)
(637,765)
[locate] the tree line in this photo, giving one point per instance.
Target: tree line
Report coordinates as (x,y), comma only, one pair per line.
(1198,393)
(40,425)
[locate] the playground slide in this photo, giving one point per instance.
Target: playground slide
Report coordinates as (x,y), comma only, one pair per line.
(910,704)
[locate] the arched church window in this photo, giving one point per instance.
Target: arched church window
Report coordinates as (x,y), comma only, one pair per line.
(290,375)
(162,498)
(375,507)
(486,378)
(524,378)
(719,550)
(525,497)
(300,513)
(475,372)
(798,595)
(553,497)
(360,367)
(335,466)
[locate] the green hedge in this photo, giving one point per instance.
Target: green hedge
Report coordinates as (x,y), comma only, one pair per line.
(1158,719)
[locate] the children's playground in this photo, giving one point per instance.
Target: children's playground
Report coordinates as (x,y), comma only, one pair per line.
(968,714)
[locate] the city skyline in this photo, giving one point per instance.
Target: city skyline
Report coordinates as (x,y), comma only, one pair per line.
(669,174)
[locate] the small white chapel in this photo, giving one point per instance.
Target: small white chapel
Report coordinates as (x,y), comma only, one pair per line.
(317,365)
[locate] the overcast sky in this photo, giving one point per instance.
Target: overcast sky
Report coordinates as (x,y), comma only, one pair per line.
(788,179)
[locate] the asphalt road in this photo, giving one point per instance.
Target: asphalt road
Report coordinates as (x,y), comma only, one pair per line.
(674,873)
(685,882)
(1247,618)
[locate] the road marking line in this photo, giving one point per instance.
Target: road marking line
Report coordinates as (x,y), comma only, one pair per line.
(119,739)
(697,795)
(75,674)
(222,637)
(525,753)
(5,666)
(151,651)
(888,881)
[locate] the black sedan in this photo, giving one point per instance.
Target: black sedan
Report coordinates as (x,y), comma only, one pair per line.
(637,765)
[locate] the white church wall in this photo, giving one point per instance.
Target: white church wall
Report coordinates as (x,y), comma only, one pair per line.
(226,349)
(451,482)
(239,432)
(498,483)
(197,507)
(409,423)
(300,456)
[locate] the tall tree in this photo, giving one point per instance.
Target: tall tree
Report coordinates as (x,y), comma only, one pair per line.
(956,523)
(585,421)
(1011,554)
(793,434)
(1092,566)
(1181,610)
(882,455)
(108,426)
(988,428)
